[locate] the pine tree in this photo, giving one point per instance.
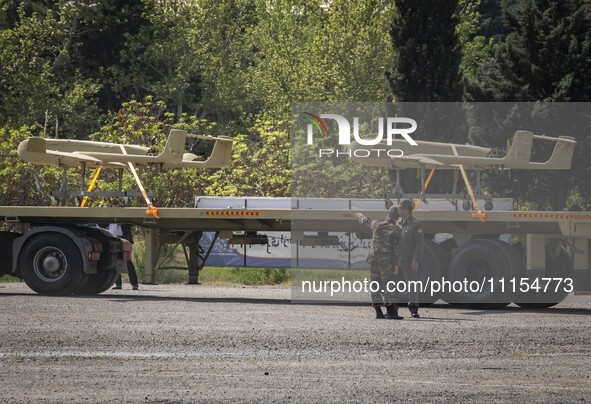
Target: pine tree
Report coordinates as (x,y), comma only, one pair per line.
(427,53)
(545,58)
(426,68)
(491,21)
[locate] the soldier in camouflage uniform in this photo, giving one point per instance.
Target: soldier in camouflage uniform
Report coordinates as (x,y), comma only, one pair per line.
(382,258)
(411,251)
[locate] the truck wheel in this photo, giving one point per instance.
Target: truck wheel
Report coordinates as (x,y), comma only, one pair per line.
(516,264)
(51,265)
(429,269)
(441,255)
(474,265)
(98,283)
(559,267)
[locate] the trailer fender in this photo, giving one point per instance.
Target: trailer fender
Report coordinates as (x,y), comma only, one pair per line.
(81,240)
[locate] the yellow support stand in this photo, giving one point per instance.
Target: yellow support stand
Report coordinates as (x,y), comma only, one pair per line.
(425,189)
(98,171)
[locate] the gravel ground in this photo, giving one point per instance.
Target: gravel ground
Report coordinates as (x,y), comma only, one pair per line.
(200,344)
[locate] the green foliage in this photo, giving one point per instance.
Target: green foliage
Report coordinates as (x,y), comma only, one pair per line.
(475,48)
(21,183)
(491,24)
(128,71)
(307,51)
(260,164)
(9,279)
(545,58)
(261,276)
(265,147)
(190,56)
(38,78)
(425,65)
(331,177)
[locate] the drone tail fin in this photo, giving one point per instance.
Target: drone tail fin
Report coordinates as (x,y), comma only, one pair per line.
(520,150)
(562,155)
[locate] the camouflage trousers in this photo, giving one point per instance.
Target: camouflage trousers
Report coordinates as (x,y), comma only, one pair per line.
(406,273)
(382,272)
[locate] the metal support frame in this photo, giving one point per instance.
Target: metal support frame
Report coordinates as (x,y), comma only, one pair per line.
(192,258)
(64,190)
(152,250)
(190,239)
(399,194)
(171,251)
(195,261)
(108,194)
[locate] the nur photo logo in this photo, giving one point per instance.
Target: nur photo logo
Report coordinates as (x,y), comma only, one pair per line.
(388,128)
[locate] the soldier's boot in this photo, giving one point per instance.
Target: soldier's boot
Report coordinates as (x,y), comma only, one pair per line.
(414,310)
(392,313)
(379,313)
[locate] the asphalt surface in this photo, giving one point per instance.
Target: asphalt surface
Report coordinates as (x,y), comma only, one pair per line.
(200,344)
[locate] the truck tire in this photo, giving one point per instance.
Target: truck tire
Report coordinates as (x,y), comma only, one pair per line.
(51,264)
(479,261)
(442,257)
(98,283)
(429,269)
(559,267)
(517,266)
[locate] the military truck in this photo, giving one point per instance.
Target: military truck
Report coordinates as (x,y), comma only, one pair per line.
(61,259)
(65,253)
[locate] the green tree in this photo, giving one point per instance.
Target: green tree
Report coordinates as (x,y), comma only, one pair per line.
(21,183)
(260,163)
(100,36)
(427,53)
(38,78)
(475,46)
(317,51)
(491,24)
(545,58)
(190,55)
(12,10)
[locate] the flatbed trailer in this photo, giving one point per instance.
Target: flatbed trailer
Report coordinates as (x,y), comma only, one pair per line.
(551,244)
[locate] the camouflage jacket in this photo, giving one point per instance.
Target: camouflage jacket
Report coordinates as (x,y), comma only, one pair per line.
(412,241)
(385,241)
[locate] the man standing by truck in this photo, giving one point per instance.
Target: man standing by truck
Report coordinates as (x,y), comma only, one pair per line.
(123,231)
(382,258)
(411,251)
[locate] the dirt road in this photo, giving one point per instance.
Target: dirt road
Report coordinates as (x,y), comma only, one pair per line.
(201,344)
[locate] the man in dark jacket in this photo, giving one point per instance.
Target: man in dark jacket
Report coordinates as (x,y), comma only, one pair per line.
(124,231)
(382,258)
(411,251)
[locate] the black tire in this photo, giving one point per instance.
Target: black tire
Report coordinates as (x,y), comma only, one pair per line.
(429,269)
(516,263)
(480,260)
(448,245)
(442,257)
(98,283)
(559,267)
(51,264)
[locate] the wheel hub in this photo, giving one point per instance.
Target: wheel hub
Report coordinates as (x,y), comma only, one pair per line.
(50,264)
